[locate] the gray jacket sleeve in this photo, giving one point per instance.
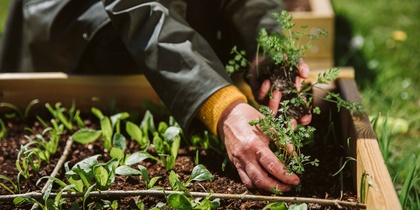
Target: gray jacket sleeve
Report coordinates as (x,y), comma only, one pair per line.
(243,20)
(177,61)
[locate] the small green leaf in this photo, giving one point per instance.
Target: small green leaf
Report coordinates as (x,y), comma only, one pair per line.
(171,133)
(175,146)
(276,206)
(147,124)
(97,113)
(85,136)
(158,144)
(179,201)
(162,127)
(153,181)
(18,200)
(302,206)
(127,171)
(174,181)
(200,173)
(134,131)
(107,132)
(101,176)
(116,153)
(119,141)
(119,116)
(137,157)
(77,182)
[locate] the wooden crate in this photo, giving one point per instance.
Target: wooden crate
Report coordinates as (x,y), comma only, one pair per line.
(20,88)
(321,16)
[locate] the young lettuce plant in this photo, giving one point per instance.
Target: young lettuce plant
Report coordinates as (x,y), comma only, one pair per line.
(182,200)
(280,54)
(66,117)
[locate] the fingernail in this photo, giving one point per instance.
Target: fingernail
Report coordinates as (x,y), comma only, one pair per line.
(266,83)
(305,71)
(296,182)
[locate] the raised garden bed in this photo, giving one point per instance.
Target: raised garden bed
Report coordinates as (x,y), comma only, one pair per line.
(367,180)
(317,14)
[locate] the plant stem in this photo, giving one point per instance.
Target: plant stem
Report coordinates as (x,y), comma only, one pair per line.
(121,193)
(58,167)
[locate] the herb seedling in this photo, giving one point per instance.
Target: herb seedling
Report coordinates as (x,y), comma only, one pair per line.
(66,117)
(281,54)
(3,129)
(182,200)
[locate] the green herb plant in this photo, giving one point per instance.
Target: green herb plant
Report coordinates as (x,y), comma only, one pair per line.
(182,200)
(281,54)
(3,129)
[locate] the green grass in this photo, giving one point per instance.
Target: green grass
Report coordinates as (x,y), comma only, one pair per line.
(387,68)
(387,65)
(4,6)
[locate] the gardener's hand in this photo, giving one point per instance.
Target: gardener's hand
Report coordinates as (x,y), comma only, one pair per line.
(261,91)
(247,148)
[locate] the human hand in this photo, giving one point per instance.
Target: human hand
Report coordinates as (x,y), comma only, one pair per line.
(261,90)
(247,148)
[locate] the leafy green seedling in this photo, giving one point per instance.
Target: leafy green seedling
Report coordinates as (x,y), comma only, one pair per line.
(276,206)
(181,200)
(66,117)
(108,124)
(166,143)
(137,134)
(280,55)
(148,183)
(17,112)
(199,173)
(3,129)
(14,187)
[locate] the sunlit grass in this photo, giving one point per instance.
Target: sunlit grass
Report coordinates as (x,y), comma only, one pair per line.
(381,41)
(4,6)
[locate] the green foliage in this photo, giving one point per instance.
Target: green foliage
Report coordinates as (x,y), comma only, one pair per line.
(166,143)
(14,187)
(136,133)
(66,117)
(183,200)
(3,129)
(286,50)
(239,62)
(276,206)
(281,131)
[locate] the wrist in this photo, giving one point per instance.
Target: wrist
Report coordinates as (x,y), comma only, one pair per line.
(216,106)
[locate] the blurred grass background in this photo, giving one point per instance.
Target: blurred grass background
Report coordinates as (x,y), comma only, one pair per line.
(380,39)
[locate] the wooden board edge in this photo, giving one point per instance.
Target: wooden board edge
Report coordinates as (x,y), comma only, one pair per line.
(319,9)
(379,191)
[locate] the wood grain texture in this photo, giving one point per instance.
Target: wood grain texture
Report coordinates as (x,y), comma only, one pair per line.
(370,166)
(128,91)
(321,16)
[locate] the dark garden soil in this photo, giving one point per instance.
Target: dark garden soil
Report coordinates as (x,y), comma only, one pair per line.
(317,182)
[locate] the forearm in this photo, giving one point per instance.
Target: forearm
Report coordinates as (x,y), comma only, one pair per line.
(178,62)
(245,18)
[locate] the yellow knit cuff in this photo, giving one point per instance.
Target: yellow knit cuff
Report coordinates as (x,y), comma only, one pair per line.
(211,111)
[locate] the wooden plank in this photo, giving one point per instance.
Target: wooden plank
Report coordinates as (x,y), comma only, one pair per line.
(370,166)
(128,91)
(321,16)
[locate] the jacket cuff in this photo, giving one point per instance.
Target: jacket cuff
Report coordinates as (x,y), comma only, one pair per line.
(211,111)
